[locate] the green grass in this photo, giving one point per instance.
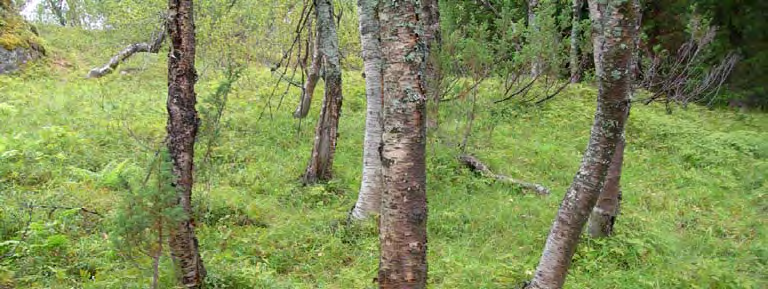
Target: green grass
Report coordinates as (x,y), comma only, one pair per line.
(693,216)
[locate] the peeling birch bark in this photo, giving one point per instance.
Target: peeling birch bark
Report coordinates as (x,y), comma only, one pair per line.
(403,222)
(182,128)
(369,198)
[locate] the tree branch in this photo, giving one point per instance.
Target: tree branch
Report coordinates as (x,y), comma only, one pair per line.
(149,47)
(476,165)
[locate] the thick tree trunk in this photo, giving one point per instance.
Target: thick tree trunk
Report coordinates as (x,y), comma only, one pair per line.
(575,36)
(607,209)
(150,47)
(403,223)
(369,199)
(182,129)
(614,30)
(313,75)
(321,161)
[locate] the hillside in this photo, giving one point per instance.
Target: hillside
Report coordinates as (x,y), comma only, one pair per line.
(694,183)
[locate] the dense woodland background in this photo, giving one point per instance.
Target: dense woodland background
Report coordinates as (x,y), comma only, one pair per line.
(83,181)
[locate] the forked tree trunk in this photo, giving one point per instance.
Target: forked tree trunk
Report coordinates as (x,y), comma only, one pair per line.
(614,30)
(182,129)
(606,210)
(321,160)
(369,198)
(403,222)
(313,75)
(575,36)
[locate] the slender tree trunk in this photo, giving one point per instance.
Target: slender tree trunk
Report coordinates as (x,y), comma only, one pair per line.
(369,199)
(607,209)
(575,36)
(321,161)
(403,223)
(536,65)
(614,30)
(182,129)
(430,17)
(313,75)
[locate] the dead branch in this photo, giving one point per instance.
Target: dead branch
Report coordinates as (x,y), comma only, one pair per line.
(54,208)
(149,47)
(476,165)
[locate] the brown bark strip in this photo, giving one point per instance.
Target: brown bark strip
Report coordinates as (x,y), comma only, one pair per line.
(313,75)
(476,165)
(403,222)
(182,128)
(321,161)
(614,34)
(130,50)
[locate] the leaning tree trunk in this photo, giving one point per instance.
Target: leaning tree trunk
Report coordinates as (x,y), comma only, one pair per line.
(321,161)
(369,199)
(182,129)
(130,50)
(313,75)
(575,36)
(614,30)
(606,211)
(403,222)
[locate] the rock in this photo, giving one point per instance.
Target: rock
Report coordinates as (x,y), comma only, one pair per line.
(12,60)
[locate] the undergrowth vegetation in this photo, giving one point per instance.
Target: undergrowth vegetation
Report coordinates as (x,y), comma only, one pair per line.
(74,153)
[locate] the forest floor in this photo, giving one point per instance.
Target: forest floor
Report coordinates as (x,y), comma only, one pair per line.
(693,213)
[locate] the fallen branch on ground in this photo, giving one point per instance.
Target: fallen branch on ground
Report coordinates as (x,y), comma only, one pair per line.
(476,165)
(153,47)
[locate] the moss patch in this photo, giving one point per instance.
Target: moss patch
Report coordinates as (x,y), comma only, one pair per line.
(15,32)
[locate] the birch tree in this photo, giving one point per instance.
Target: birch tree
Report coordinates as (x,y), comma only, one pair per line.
(614,24)
(321,161)
(403,223)
(575,63)
(369,198)
(182,129)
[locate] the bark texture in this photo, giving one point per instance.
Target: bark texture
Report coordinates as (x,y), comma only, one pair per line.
(130,50)
(403,222)
(369,198)
(614,30)
(575,64)
(313,75)
(321,160)
(607,208)
(182,129)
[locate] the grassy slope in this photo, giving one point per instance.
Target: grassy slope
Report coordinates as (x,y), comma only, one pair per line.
(693,212)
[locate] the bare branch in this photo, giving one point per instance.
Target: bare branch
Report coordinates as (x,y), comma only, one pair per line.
(476,165)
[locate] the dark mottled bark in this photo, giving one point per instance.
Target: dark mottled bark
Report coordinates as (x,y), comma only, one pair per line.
(614,31)
(369,198)
(182,129)
(403,223)
(321,160)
